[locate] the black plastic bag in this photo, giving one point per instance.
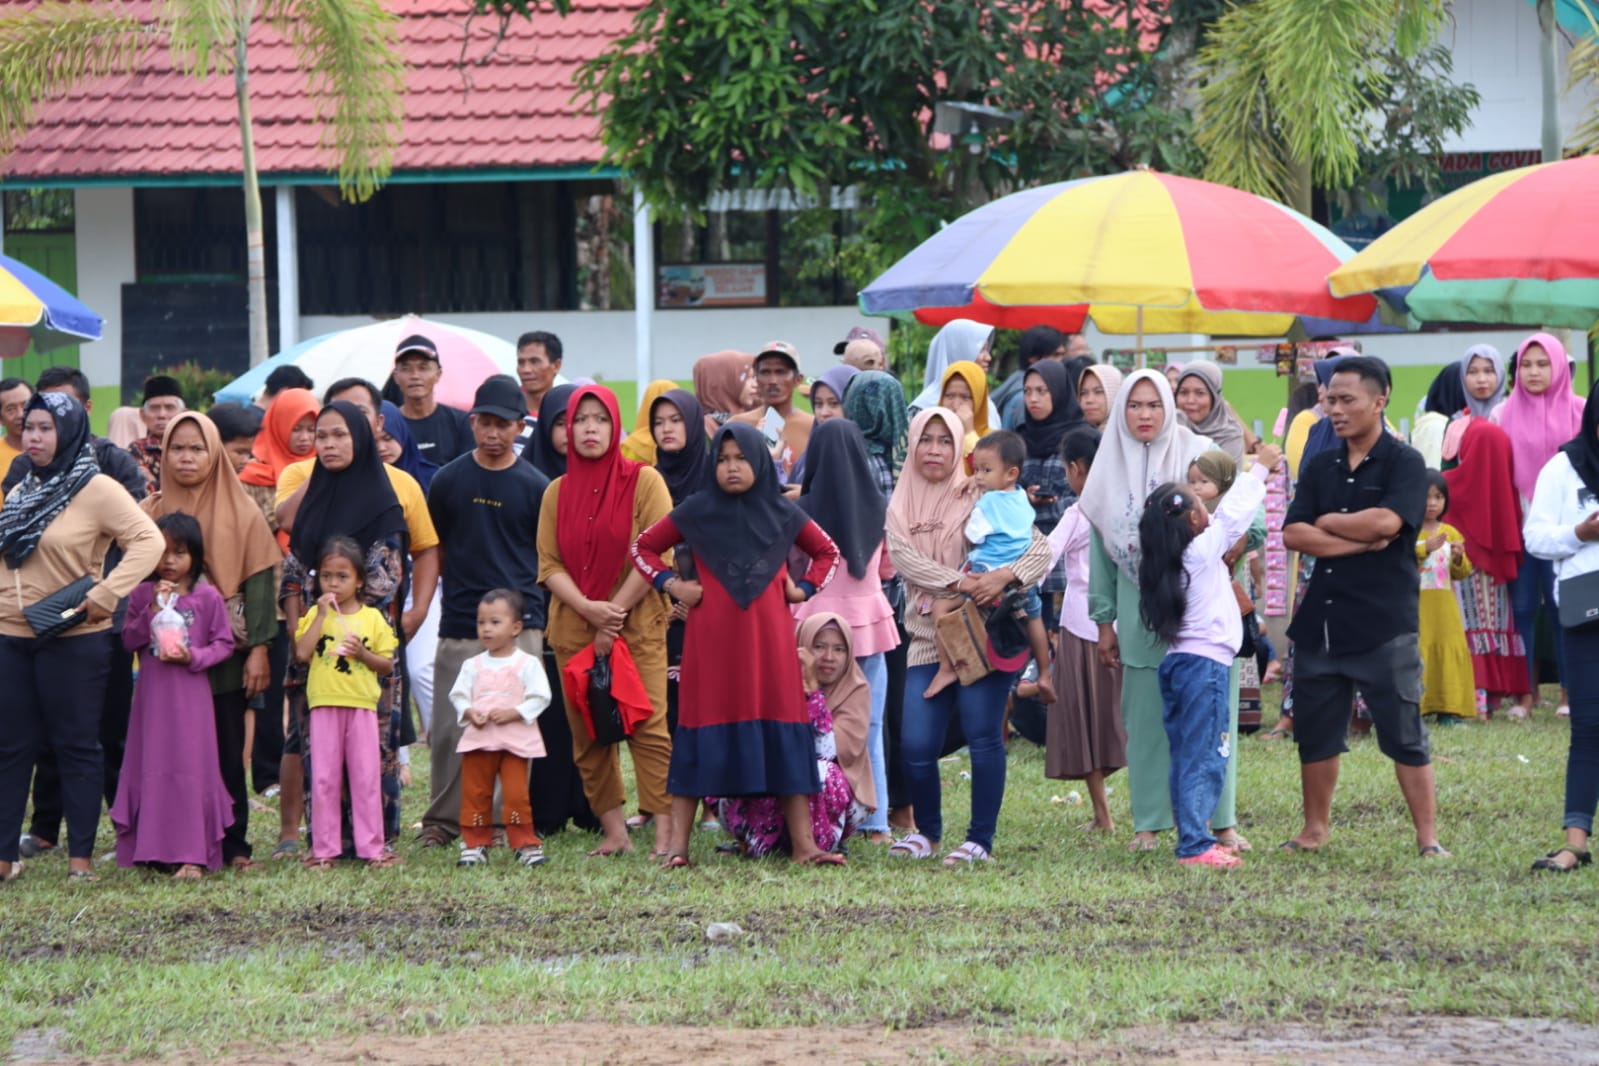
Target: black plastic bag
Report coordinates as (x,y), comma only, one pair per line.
(604,711)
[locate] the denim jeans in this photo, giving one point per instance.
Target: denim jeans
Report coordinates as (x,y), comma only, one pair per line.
(876,671)
(1193,692)
(981,707)
(1582,760)
(1535,584)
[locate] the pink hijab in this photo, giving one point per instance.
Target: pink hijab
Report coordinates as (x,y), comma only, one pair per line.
(931,517)
(1538,425)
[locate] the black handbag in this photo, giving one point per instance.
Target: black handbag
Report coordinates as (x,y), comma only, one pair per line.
(58,612)
(1579,600)
(1007,626)
(604,711)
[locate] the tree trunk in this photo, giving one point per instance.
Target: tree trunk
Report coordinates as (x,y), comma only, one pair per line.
(1300,187)
(1551,80)
(255,241)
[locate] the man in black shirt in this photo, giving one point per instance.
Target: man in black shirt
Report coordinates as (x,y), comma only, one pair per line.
(1356,510)
(485,506)
(442,433)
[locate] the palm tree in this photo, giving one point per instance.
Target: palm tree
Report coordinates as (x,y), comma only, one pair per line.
(1583,69)
(348,49)
(1280,105)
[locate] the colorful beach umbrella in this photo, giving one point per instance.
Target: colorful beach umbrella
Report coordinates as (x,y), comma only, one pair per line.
(35,310)
(466,357)
(1138,252)
(1520,248)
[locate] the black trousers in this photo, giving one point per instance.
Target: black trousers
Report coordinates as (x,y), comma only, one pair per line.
(554,784)
(229,708)
(115,711)
(267,754)
(55,691)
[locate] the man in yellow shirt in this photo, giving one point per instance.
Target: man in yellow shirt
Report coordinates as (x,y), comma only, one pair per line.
(14,396)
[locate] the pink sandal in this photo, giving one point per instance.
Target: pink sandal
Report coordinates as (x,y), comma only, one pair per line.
(912,846)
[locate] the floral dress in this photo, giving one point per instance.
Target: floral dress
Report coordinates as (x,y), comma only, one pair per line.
(757,822)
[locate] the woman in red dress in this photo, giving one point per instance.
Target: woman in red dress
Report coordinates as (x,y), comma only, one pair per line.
(743,727)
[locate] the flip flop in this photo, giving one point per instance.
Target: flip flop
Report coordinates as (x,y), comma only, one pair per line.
(1434,851)
(16,872)
(676,861)
(1295,847)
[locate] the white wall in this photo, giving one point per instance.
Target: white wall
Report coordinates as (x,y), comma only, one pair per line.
(105,263)
(1495,48)
(600,344)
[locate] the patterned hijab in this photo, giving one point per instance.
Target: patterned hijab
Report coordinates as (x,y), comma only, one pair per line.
(876,403)
(46,491)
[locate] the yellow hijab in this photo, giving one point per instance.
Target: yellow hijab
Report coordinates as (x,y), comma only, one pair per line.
(977,381)
(639,445)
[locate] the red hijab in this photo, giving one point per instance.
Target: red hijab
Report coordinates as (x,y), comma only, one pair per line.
(594,514)
(1483,503)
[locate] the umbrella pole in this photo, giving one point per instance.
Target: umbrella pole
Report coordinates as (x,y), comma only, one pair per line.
(1142,362)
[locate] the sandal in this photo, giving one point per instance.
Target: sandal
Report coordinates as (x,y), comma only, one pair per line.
(1434,851)
(288,849)
(434,836)
(241,863)
(385,861)
(1139,845)
(81,877)
(639,821)
(318,865)
(532,855)
(13,874)
(1274,734)
(676,861)
(1237,843)
(188,872)
(1551,862)
(912,846)
(1295,847)
(968,853)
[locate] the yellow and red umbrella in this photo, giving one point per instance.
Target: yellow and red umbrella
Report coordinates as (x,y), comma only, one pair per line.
(1519,247)
(1137,252)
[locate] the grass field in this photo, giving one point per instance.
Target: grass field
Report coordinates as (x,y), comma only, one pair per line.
(1067,936)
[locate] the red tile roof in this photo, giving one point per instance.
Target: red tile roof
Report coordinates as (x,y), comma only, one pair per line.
(513,111)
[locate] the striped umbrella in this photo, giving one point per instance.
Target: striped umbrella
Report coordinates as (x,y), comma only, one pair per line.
(35,310)
(1137,252)
(1520,247)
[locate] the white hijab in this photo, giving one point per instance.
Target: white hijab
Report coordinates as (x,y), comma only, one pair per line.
(1126,470)
(960,340)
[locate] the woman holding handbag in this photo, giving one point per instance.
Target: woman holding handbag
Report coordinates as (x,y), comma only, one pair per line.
(587,524)
(55,529)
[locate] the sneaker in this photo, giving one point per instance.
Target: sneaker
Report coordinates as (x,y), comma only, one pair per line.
(31,847)
(532,855)
(1215,856)
(473,857)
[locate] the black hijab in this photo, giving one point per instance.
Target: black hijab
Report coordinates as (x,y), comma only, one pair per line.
(688,470)
(357,502)
(743,539)
(1043,438)
(1583,449)
(841,494)
(47,490)
(544,456)
(1447,393)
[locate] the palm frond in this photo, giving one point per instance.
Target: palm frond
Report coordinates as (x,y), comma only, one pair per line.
(1235,126)
(203,32)
(1582,69)
(350,51)
(46,51)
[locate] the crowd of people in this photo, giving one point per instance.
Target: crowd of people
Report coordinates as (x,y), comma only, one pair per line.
(788,599)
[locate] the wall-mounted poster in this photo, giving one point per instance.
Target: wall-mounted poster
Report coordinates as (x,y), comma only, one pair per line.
(712,285)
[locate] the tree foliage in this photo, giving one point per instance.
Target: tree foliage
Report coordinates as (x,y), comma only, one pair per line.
(1582,69)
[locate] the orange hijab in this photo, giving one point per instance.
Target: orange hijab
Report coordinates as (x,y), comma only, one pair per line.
(271,449)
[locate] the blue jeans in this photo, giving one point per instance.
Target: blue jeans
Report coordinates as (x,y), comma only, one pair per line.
(1582,760)
(1193,692)
(876,671)
(1535,583)
(981,707)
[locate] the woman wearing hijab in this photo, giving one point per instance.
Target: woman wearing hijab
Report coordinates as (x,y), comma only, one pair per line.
(744,728)
(1199,398)
(1562,531)
(827,403)
(1445,399)
(587,524)
(397,447)
(926,519)
(960,341)
(1097,387)
(288,434)
(1144,446)
(837,699)
(1483,506)
(876,403)
(724,384)
(348,494)
(550,443)
(55,528)
(241,560)
(639,445)
(965,392)
(1540,416)
(1311,433)
(1052,411)
(838,495)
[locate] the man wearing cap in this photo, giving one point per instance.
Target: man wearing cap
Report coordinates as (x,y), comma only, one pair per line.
(862,349)
(777,375)
(485,506)
(163,401)
(441,432)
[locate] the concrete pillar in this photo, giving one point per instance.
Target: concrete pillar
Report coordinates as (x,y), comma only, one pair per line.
(288,269)
(106,262)
(643,290)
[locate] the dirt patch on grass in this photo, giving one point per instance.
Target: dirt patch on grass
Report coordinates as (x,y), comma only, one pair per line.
(1415,1041)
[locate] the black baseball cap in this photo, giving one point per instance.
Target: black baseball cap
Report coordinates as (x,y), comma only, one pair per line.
(416,344)
(501,397)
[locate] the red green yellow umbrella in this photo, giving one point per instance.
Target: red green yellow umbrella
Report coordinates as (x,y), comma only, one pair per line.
(1520,247)
(1137,252)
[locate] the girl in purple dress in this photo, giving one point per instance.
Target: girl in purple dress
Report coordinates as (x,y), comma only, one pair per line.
(172,806)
